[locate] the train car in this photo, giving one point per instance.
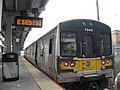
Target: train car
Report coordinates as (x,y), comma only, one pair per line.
(77,50)
(30,53)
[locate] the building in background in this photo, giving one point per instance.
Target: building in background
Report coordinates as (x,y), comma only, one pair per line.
(116,50)
(116,37)
(116,41)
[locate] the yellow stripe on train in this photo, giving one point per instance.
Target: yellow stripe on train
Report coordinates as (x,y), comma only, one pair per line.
(85,65)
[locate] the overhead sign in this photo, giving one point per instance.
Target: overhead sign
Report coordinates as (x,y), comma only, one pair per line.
(28,21)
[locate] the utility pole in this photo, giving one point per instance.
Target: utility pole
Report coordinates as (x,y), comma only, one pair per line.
(97,6)
(1,3)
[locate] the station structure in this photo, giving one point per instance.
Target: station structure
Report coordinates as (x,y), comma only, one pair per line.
(17,17)
(15,35)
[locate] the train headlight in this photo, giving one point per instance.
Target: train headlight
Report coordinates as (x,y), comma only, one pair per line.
(72,64)
(66,63)
(108,61)
(103,62)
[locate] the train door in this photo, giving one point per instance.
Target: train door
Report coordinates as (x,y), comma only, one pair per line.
(51,57)
(88,51)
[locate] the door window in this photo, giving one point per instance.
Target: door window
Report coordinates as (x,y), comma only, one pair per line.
(88,46)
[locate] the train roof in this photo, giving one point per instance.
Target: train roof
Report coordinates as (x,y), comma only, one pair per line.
(77,23)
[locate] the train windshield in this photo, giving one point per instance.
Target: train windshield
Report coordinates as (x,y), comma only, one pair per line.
(68,44)
(105,44)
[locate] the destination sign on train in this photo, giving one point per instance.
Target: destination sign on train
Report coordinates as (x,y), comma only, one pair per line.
(28,21)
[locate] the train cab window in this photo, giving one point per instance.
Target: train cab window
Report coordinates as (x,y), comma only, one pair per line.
(105,46)
(88,46)
(68,44)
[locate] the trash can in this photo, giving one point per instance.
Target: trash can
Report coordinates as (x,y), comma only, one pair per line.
(10,67)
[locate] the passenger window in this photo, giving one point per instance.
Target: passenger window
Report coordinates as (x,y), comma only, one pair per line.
(41,50)
(50,46)
(32,50)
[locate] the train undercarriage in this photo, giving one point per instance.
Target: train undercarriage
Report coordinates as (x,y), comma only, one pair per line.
(103,84)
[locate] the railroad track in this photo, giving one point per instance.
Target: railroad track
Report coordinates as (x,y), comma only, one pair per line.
(82,86)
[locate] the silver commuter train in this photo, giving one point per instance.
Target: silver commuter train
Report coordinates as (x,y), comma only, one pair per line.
(75,50)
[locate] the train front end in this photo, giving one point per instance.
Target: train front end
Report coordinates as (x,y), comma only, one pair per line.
(85,52)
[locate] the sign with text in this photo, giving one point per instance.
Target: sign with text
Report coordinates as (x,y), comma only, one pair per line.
(28,21)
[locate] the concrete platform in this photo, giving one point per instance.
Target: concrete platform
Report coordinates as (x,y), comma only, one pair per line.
(30,78)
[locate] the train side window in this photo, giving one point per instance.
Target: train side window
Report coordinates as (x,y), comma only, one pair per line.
(41,50)
(33,50)
(50,46)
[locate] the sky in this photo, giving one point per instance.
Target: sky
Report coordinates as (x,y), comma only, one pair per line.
(57,11)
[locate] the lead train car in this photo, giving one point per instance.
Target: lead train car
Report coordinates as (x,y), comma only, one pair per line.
(75,50)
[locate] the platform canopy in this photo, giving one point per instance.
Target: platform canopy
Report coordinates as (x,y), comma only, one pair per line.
(25,8)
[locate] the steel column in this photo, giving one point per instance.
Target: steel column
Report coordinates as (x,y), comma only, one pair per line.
(9,33)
